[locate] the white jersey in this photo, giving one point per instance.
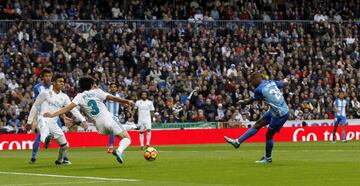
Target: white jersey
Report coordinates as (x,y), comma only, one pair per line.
(92,102)
(144,108)
(49,101)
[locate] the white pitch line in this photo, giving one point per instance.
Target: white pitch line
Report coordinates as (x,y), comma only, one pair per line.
(64,176)
(54,183)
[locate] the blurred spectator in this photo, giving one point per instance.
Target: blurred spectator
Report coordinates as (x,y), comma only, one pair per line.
(199,117)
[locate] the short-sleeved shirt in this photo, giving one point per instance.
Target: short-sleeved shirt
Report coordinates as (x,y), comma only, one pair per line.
(144,108)
(269,92)
(92,103)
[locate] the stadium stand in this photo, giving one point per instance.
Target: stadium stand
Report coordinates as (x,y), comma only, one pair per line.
(198,63)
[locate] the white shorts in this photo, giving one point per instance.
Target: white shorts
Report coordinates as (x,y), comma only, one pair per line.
(144,125)
(107,125)
(48,126)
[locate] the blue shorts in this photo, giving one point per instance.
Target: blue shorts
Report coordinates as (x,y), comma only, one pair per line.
(275,122)
(341,120)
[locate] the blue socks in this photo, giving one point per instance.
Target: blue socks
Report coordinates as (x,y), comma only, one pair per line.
(111,140)
(35,146)
(252,131)
(343,136)
(268,148)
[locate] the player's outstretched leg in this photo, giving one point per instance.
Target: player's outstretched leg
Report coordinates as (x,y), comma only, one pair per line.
(111,143)
(233,142)
(35,149)
(249,133)
(123,144)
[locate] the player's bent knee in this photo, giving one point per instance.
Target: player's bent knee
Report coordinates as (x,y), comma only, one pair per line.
(61,140)
(124,135)
(270,134)
(259,124)
(64,146)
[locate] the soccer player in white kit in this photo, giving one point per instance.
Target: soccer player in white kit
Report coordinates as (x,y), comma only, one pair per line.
(92,101)
(51,101)
(145,109)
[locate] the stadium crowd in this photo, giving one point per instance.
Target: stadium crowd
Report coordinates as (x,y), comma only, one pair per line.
(180,10)
(192,72)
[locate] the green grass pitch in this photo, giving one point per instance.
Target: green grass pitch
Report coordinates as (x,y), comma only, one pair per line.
(312,163)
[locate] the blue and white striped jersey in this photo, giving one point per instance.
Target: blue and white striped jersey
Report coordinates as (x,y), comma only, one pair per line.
(113,106)
(340,106)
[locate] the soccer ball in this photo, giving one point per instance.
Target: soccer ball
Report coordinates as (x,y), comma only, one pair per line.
(150,154)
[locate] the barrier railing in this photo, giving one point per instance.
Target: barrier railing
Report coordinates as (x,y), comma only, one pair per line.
(186,125)
(84,26)
(201,125)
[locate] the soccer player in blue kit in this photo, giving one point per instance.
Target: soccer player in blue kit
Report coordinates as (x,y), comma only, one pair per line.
(276,117)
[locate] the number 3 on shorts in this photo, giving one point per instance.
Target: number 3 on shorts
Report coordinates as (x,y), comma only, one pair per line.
(95,109)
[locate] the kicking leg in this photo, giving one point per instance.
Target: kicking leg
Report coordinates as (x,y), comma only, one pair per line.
(249,133)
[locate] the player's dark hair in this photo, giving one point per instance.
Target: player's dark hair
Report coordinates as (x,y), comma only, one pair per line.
(45,71)
(86,83)
(113,83)
(56,77)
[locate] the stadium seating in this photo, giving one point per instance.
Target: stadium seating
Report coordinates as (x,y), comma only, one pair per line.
(171,57)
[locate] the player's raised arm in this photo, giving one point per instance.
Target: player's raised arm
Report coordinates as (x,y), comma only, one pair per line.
(61,111)
(283,83)
(77,114)
(121,100)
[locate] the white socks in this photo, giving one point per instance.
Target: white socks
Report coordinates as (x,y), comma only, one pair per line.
(62,152)
(148,137)
(124,143)
(141,139)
